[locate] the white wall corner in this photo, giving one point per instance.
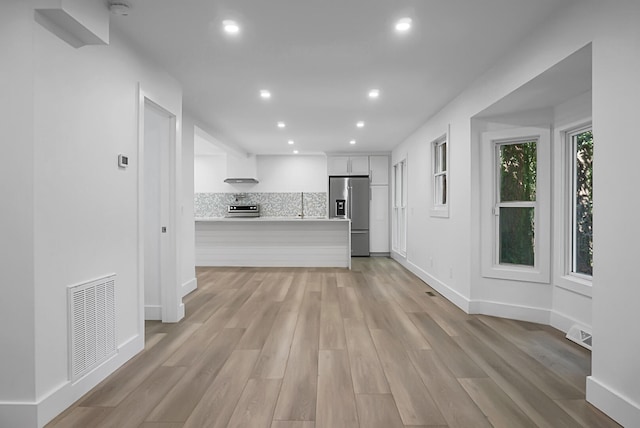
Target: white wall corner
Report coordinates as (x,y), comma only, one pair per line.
(510,311)
(621,409)
(189,286)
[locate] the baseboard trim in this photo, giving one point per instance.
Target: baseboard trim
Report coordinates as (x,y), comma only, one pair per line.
(153,312)
(617,407)
(449,293)
(189,286)
(511,311)
(39,413)
(564,322)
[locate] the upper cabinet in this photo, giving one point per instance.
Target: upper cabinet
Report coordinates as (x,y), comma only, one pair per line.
(379,167)
(348,165)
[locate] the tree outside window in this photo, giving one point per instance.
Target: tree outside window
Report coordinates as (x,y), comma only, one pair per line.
(517,164)
(582,190)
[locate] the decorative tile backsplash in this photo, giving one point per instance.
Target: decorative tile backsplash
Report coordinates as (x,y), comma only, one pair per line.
(271,204)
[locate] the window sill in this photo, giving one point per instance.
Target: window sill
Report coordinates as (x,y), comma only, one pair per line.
(439,212)
(575,284)
(516,273)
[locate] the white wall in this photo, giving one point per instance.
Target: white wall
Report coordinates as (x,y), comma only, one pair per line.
(614,384)
(454,243)
(73,211)
(17,306)
(188,274)
(281,173)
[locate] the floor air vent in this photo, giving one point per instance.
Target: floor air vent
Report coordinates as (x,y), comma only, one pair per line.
(92,326)
(580,335)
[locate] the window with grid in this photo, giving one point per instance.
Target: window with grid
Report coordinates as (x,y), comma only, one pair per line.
(440,176)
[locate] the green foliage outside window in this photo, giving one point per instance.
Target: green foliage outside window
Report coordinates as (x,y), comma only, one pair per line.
(518,169)
(583,222)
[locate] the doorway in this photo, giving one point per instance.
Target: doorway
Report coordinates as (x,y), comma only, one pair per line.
(157,234)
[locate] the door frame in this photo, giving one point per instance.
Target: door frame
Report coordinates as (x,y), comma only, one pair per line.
(171,298)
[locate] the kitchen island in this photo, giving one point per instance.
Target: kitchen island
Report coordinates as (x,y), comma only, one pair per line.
(273,241)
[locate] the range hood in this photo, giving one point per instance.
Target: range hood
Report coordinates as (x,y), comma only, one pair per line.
(241,169)
(241,180)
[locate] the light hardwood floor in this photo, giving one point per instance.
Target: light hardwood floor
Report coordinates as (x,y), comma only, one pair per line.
(332,348)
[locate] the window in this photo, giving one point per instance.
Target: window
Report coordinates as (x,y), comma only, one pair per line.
(439,178)
(573,199)
(515,204)
(581,191)
(400,207)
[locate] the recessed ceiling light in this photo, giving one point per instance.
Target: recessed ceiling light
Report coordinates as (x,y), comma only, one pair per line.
(374,93)
(265,94)
(352,142)
(295,152)
(360,124)
(291,142)
(403,25)
(230,27)
(281,125)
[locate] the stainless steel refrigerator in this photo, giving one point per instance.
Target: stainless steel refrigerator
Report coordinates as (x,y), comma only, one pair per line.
(349,198)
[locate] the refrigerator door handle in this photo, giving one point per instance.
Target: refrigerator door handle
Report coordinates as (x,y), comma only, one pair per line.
(359,232)
(350,198)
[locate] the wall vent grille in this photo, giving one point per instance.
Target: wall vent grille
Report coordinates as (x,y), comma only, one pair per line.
(580,335)
(92,326)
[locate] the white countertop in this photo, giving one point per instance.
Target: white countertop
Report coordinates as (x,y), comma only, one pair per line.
(267,219)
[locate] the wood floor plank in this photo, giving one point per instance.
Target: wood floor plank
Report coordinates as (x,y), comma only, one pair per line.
(221,397)
(260,327)
(536,404)
(297,398)
(187,354)
(366,370)
(208,309)
(293,424)
(275,352)
(404,328)
(81,417)
(349,303)
(415,404)
(496,404)
(120,384)
(447,349)
(458,409)
(132,412)
(336,406)
(331,325)
(178,403)
(546,380)
(378,411)
(255,407)
(587,415)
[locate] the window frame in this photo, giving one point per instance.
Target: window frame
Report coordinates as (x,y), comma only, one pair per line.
(490,203)
(438,209)
(563,218)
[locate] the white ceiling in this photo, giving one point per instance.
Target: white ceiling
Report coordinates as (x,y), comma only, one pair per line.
(320,58)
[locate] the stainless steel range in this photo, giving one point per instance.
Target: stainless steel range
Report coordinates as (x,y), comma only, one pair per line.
(243,210)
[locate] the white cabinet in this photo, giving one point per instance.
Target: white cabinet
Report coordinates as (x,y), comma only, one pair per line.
(379,220)
(348,165)
(359,165)
(379,167)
